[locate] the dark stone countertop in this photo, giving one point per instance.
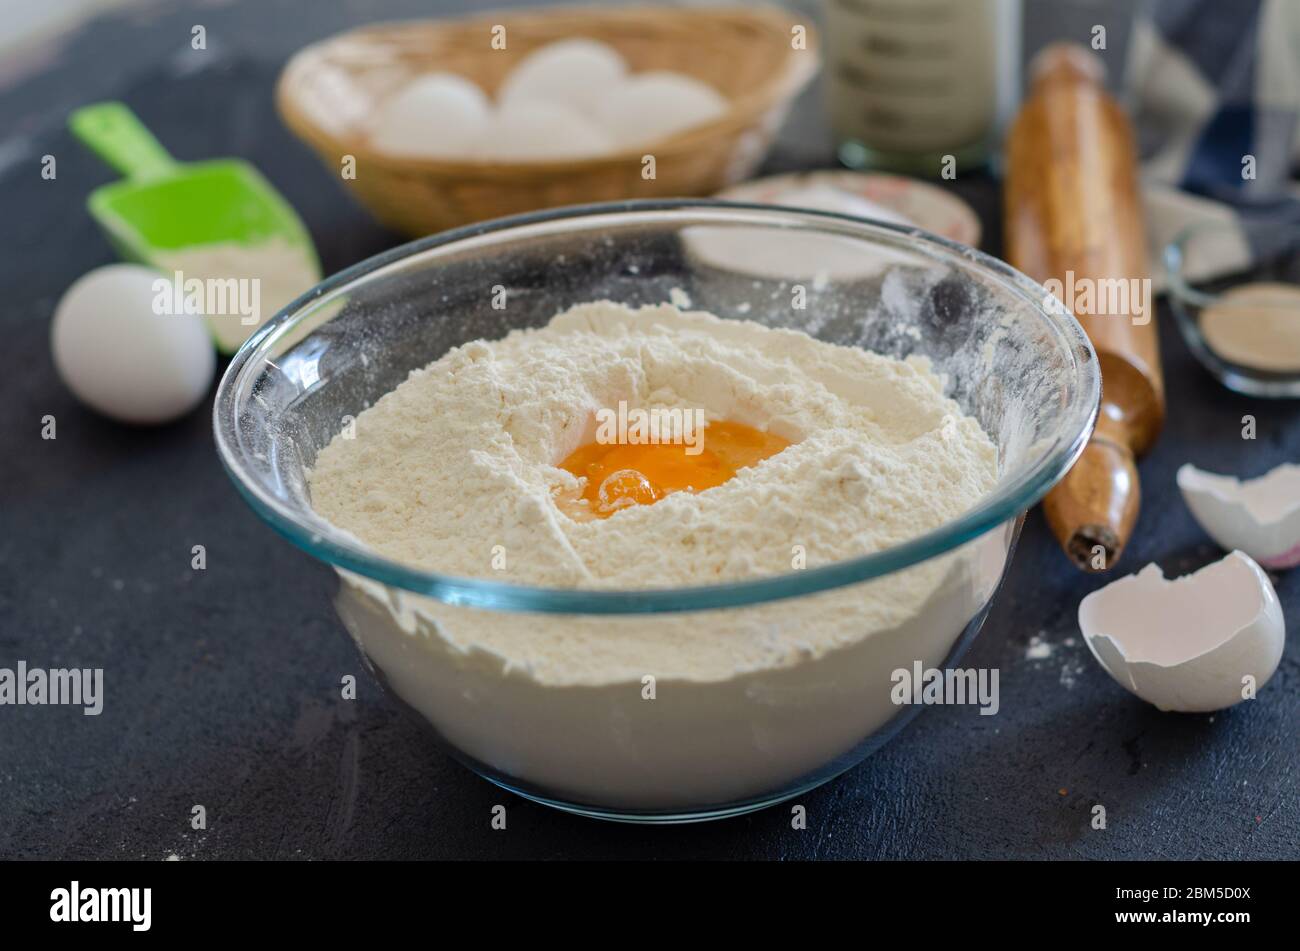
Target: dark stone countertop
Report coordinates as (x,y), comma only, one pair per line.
(222,685)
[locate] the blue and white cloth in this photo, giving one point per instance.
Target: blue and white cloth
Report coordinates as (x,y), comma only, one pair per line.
(1214,86)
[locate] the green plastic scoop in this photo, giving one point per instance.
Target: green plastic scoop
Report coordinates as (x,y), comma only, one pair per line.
(211,220)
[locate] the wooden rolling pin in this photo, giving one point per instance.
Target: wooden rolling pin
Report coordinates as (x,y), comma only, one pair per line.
(1073,215)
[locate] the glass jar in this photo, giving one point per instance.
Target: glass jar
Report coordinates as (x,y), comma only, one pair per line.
(921,86)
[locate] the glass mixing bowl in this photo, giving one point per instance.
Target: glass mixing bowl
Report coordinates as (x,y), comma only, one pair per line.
(662,741)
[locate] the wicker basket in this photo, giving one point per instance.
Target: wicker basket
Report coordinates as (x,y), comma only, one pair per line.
(328,91)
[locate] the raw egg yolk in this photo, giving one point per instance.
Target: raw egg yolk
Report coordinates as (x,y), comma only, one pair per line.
(619,475)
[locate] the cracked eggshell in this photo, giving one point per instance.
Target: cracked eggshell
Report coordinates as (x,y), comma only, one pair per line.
(1186,644)
(1259,516)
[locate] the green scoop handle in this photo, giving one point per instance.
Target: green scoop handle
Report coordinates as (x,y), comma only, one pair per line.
(113,132)
(162,205)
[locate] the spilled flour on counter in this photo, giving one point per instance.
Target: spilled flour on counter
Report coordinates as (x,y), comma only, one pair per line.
(456,471)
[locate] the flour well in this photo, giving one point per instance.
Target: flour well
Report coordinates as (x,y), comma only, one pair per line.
(461,457)
(455,471)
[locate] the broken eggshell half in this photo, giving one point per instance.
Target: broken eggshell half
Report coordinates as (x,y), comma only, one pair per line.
(1259,516)
(1188,644)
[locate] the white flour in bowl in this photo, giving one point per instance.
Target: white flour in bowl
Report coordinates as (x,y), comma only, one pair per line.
(455,471)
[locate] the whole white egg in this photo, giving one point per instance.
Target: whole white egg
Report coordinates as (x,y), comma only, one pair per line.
(533,131)
(572,72)
(433,116)
(120,356)
(655,105)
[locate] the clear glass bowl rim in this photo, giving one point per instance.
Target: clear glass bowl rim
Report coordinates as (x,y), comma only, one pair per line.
(1175,256)
(1189,302)
(1175,252)
(330,545)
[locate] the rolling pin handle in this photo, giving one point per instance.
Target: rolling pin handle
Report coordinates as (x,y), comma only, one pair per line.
(1093,509)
